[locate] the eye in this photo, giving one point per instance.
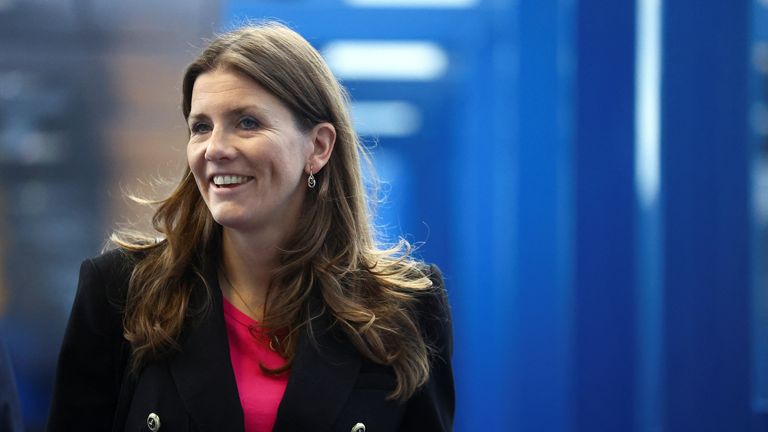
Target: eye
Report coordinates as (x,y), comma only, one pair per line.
(249,123)
(200,127)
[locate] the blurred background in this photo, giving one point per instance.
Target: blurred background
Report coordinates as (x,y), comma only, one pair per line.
(591,176)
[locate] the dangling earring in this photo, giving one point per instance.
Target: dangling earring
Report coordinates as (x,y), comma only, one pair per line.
(311,179)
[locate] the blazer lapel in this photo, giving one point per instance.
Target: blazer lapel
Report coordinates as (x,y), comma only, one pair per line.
(321,380)
(203,370)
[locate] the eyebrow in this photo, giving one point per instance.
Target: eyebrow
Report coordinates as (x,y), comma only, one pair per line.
(234,112)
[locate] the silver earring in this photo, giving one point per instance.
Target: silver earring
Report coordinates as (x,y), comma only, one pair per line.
(311,179)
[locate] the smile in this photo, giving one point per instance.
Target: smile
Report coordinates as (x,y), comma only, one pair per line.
(230,180)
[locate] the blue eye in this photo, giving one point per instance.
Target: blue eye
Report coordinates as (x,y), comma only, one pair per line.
(249,123)
(199,128)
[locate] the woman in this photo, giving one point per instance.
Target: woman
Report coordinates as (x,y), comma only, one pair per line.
(266,305)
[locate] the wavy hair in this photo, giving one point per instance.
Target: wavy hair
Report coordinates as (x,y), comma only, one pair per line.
(369,291)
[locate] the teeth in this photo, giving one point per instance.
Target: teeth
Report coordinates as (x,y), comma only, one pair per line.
(229,179)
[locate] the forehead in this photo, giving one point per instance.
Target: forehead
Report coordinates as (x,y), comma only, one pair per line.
(228,90)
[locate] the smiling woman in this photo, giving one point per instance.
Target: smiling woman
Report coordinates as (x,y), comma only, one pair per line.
(248,154)
(267,305)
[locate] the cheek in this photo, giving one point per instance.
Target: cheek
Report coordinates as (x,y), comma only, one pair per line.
(295,156)
(281,158)
(195,163)
(291,167)
(192,157)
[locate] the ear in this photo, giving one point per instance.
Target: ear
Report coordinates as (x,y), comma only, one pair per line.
(323,137)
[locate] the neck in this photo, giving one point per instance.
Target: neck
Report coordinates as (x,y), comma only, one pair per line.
(247,263)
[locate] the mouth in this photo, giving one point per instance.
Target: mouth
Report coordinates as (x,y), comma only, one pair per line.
(229,181)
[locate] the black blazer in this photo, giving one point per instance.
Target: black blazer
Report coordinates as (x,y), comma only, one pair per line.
(331,386)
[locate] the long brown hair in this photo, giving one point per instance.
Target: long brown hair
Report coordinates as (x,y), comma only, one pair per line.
(369,291)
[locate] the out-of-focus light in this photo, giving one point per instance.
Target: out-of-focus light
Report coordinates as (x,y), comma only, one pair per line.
(648,102)
(375,60)
(759,119)
(6,5)
(760,56)
(413,3)
(386,118)
(760,191)
(11,84)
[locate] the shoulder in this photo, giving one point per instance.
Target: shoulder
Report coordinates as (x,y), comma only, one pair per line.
(112,268)
(433,300)
(439,295)
(103,285)
(432,407)
(114,264)
(434,311)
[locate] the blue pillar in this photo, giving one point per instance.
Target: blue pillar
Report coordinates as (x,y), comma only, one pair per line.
(705,165)
(759,153)
(541,332)
(604,285)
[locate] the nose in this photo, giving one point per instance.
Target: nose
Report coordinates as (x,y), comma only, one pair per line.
(219,146)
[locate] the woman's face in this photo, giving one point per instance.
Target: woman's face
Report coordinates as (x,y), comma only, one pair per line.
(246,153)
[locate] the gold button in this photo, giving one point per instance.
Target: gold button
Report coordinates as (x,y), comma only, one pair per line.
(358,428)
(153,422)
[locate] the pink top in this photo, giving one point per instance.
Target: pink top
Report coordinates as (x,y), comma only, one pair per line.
(260,394)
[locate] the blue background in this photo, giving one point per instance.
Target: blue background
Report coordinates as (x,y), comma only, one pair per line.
(578,305)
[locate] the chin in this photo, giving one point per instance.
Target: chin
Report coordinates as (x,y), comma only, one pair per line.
(229,220)
(235,224)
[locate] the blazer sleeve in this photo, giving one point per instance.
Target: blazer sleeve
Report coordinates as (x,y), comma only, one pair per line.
(432,407)
(93,353)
